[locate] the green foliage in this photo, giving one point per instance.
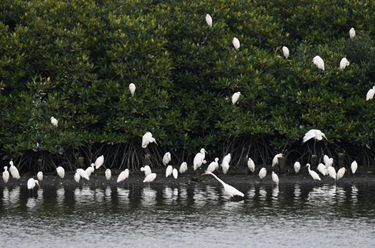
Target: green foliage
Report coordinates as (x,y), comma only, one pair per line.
(74,61)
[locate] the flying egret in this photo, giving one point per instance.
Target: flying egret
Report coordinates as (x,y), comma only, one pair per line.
(149,178)
(297,167)
(370,94)
(166,158)
(39,176)
(275,159)
(147,139)
(83,173)
(275,178)
(251,165)
(344,63)
(168,171)
(99,161)
(14,171)
(353,167)
(313,174)
(213,165)
(322,169)
(352,33)
(340,173)
(236,43)
(262,173)
(199,159)
(60,171)
(232,191)
(319,62)
(146,169)
(183,167)
(209,20)
(332,172)
(6,174)
(235,97)
(175,173)
(132,88)
(108,174)
(54,121)
(314,134)
(123,175)
(31,183)
(285,51)
(77,177)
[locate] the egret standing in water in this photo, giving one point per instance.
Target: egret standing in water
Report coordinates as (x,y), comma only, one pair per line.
(108,174)
(31,183)
(262,173)
(297,167)
(199,159)
(183,168)
(149,178)
(340,173)
(14,171)
(60,171)
(275,178)
(123,175)
(6,174)
(354,167)
(39,176)
(313,174)
(232,191)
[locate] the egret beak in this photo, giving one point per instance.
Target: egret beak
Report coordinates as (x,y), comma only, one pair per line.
(155,142)
(38,185)
(204,173)
(325,137)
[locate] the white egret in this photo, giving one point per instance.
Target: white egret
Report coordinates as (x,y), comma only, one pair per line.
(83,173)
(6,174)
(99,161)
(352,33)
(236,43)
(168,171)
(149,178)
(31,183)
(251,165)
(146,169)
(209,20)
(232,191)
(285,51)
(332,172)
(77,177)
(370,93)
(14,171)
(275,159)
(344,63)
(166,158)
(108,174)
(297,167)
(90,169)
(327,161)
(213,165)
(225,166)
(313,174)
(235,97)
(39,176)
(183,167)
(147,139)
(60,171)
(262,173)
(319,62)
(353,167)
(199,159)
(123,175)
(175,173)
(132,88)
(275,178)
(340,173)
(54,121)
(314,134)
(322,169)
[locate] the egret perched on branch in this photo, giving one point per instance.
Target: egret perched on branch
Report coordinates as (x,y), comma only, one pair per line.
(132,89)
(352,33)
(149,178)
(353,167)
(209,20)
(199,159)
(275,159)
(99,162)
(313,174)
(213,165)
(344,63)
(236,43)
(6,174)
(31,183)
(39,176)
(183,167)
(314,134)
(123,175)
(235,97)
(251,165)
(166,158)
(108,174)
(285,51)
(318,61)
(147,139)
(297,167)
(60,171)
(262,173)
(232,191)
(275,178)
(370,94)
(54,121)
(14,171)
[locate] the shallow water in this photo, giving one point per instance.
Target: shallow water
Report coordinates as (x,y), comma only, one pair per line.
(188,215)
